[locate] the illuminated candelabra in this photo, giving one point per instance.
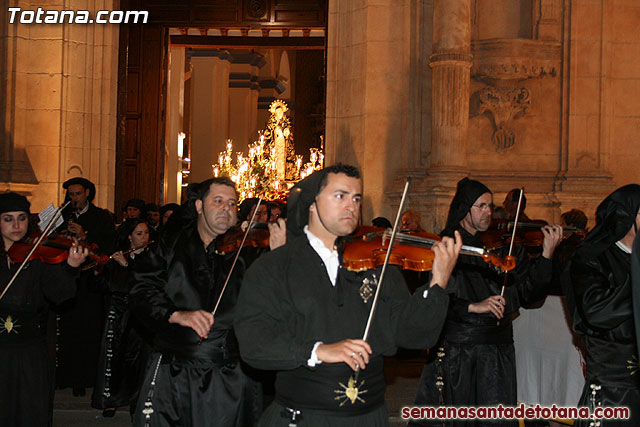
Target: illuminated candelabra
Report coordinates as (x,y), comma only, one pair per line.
(271,167)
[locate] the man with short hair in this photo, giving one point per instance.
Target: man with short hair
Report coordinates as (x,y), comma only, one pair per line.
(301,313)
(80,322)
(195,377)
(134,208)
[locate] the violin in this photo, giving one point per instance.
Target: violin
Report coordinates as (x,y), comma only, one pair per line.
(231,241)
(528,234)
(412,251)
(53,249)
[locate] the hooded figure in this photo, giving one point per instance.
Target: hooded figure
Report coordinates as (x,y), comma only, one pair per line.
(474,362)
(602,301)
(467,193)
(301,197)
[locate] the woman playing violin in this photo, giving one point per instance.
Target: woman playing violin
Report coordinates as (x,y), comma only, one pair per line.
(26,385)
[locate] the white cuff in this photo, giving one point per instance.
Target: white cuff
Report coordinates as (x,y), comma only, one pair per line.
(313,360)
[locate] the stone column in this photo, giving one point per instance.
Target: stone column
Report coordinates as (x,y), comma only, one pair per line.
(243,99)
(175,125)
(58,87)
(209,111)
(451,64)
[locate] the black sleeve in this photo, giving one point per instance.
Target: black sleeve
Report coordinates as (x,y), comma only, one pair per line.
(59,281)
(533,277)
(600,305)
(148,298)
(417,319)
(264,325)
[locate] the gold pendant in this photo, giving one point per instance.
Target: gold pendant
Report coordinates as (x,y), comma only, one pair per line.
(366,290)
(350,392)
(632,364)
(8,325)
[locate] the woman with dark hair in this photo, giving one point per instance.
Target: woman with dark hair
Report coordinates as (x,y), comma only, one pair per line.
(25,388)
(123,352)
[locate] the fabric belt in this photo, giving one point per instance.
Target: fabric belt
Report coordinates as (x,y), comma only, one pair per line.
(328,389)
(20,328)
(214,352)
(481,333)
(612,364)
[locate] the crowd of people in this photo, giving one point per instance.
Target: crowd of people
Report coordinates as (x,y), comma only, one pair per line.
(187,327)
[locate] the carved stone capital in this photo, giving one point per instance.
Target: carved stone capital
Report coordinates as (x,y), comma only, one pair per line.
(515,59)
(503,104)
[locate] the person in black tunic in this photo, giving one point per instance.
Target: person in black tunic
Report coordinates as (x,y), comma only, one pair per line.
(25,371)
(124,350)
(302,314)
(474,362)
(195,377)
(602,306)
(81,318)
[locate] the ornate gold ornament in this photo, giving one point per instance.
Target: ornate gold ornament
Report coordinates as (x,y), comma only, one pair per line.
(271,166)
(350,392)
(366,290)
(8,325)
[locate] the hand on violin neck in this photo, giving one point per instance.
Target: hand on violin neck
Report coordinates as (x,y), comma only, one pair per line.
(446,255)
(77,255)
(552,237)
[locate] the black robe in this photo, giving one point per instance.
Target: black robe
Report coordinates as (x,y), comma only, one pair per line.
(125,343)
(604,314)
(474,364)
(80,321)
(197,383)
(287,304)
(26,372)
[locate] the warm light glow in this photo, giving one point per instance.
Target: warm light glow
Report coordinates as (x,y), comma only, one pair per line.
(181,137)
(257,173)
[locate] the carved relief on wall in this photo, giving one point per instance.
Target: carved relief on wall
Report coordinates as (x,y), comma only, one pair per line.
(504,105)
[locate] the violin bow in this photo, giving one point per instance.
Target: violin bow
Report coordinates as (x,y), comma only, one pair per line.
(384,266)
(45,232)
(235,258)
(513,238)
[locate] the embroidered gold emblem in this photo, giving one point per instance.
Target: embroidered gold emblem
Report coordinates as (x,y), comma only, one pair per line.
(366,290)
(8,325)
(350,392)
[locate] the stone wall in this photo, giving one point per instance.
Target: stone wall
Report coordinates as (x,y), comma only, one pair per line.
(59,82)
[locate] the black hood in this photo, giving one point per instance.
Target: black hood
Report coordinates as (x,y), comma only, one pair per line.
(301,197)
(466,195)
(614,218)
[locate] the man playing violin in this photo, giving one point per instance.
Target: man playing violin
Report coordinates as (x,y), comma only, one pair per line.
(26,385)
(195,377)
(80,321)
(302,314)
(474,364)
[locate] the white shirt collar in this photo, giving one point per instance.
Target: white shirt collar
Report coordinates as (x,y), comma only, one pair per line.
(329,256)
(85,209)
